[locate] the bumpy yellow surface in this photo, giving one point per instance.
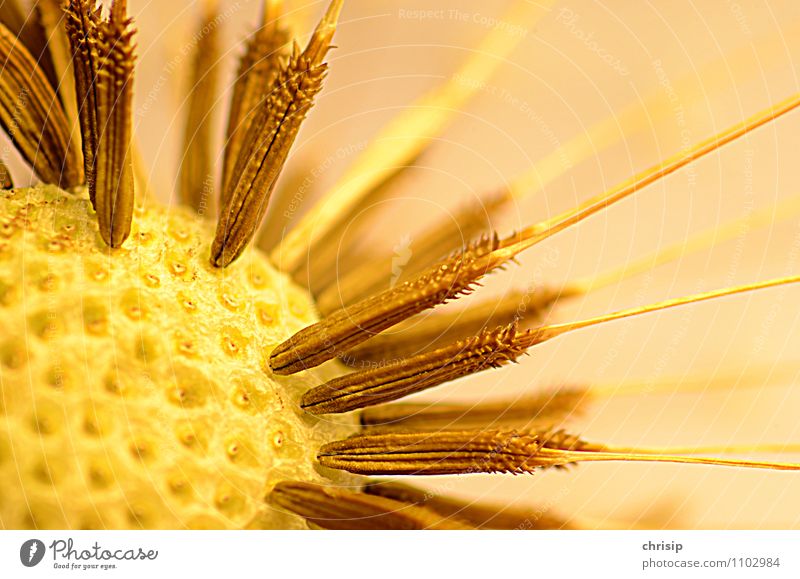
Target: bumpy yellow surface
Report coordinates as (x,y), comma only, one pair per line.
(134,386)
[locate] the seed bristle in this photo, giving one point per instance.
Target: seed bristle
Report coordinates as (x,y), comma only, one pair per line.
(489,349)
(266,145)
(266,53)
(197,164)
(103,64)
(341,509)
(503,451)
(346,328)
(415,336)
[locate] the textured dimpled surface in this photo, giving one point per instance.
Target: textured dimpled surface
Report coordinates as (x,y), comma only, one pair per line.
(134,385)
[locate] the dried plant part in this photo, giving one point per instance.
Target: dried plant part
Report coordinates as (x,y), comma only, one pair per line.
(450,278)
(103,63)
(489,349)
(33,117)
(545,407)
(337,508)
(82,22)
(362,278)
(404,138)
(348,327)
(265,55)
(479,515)
(503,451)
(369,276)
(197,165)
(218,360)
(268,141)
(539,232)
(416,336)
(24,22)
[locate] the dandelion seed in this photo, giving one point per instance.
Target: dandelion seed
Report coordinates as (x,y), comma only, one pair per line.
(179,351)
(501,451)
(489,349)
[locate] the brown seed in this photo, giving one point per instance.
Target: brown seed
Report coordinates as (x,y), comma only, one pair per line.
(32,115)
(415,336)
(351,326)
(103,62)
(489,349)
(505,451)
(268,141)
(264,57)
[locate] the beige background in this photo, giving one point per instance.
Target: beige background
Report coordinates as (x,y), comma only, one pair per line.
(384,60)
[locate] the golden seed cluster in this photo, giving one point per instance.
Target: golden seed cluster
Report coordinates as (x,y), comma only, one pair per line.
(134,384)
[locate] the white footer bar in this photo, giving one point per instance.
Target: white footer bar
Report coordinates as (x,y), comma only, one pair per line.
(118,554)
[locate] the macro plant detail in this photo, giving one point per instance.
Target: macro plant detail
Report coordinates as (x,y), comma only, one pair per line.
(163,367)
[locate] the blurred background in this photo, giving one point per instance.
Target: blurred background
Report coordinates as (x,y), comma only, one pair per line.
(687,70)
